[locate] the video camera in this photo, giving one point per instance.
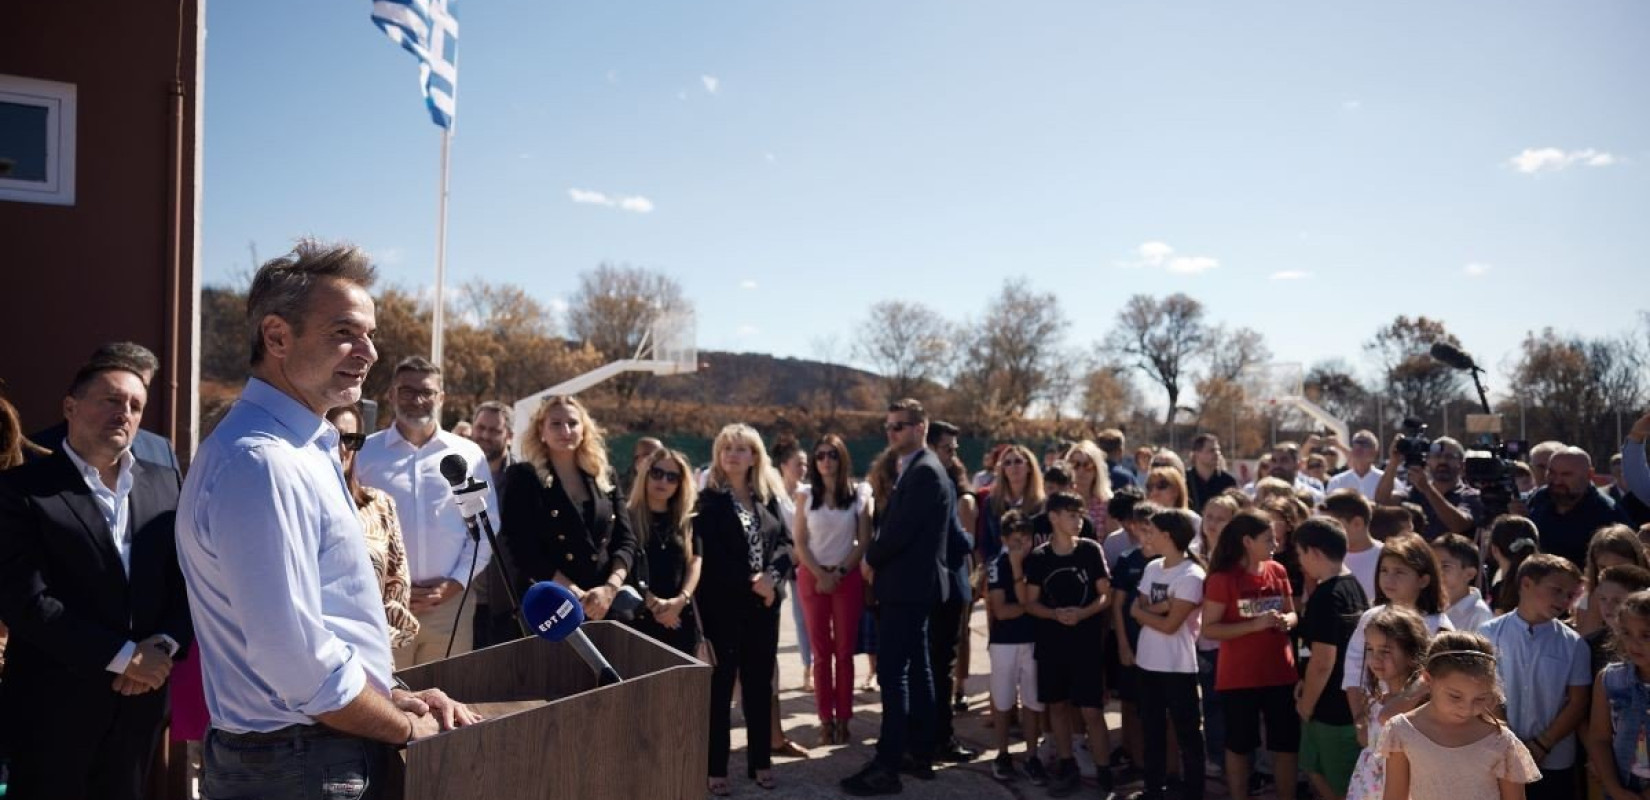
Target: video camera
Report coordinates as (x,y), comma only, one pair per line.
(1489,468)
(1413,443)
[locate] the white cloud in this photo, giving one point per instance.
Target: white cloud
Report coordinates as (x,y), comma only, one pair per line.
(1291,275)
(558,305)
(1159,255)
(1476,269)
(588,197)
(1535,160)
(747,331)
(711,82)
(640,205)
(747,284)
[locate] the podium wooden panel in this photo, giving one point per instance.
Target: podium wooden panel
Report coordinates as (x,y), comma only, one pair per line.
(644,737)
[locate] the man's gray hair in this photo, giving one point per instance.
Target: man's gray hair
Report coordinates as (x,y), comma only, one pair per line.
(283,285)
(132,356)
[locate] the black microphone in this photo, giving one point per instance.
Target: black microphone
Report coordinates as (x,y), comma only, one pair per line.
(1452,356)
(554,613)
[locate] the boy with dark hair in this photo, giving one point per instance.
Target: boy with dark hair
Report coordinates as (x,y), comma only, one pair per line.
(1459,566)
(1363,553)
(1013,664)
(1066,589)
(1055,481)
(1545,668)
(1120,508)
(1329,739)
(1386,522)
(1134,513)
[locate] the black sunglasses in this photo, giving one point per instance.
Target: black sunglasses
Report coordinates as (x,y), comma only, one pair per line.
(665,475)
(352,441)
(896,427)
(825,455)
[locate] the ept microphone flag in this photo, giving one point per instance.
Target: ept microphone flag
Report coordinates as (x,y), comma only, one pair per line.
(551,610)
(429,30)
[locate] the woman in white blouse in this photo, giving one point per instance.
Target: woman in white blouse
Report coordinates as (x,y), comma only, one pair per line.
(832,530)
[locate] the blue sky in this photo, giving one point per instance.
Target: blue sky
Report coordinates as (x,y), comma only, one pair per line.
(1306,169)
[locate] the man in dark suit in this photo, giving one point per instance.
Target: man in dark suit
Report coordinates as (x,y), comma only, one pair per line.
(90,586)
(147,446)
(908,556)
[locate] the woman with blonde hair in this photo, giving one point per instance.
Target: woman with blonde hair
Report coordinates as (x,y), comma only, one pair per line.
(661,513)
(1018,485)
(563,516)
(747,558)
(1091,480)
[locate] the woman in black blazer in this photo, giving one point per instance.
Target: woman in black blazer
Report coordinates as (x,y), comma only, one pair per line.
(747,557)
(563,518)
(661,512)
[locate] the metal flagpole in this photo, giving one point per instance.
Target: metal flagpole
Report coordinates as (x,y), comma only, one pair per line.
(438,320)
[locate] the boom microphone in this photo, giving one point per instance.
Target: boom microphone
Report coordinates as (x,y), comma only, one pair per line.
(1452,356)
(554,613)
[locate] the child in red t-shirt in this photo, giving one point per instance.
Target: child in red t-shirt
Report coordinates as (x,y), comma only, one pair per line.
(1249,607)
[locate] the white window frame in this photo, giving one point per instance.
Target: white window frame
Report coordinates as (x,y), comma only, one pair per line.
(59,100)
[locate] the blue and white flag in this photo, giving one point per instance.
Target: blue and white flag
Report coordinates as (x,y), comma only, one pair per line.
(427,29)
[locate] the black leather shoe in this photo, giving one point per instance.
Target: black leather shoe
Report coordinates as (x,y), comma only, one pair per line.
(872,781)
(954,752)
(921,770)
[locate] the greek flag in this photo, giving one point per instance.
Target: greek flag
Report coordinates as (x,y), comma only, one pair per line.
(427,29)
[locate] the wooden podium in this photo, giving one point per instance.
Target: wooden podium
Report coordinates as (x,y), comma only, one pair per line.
(551,732)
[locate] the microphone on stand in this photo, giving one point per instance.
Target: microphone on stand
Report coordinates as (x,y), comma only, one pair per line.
(552,612)
(471,497)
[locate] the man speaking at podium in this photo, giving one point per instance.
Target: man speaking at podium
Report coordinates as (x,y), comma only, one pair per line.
(294,644)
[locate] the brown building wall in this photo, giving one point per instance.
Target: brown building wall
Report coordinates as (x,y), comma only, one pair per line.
(72,277)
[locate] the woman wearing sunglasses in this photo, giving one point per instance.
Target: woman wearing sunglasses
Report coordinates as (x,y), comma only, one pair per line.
(383,530)
(1091,480)
(564,518)
(833,528)
(661,513)
(1018,485)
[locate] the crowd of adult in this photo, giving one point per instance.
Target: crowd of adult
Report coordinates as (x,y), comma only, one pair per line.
(1254,629)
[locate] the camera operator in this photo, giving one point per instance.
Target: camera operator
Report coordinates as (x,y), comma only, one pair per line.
(1569,508)
(1450,505)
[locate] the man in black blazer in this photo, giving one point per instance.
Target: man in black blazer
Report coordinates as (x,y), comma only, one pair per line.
(146,446)
(90,587)
(908,556)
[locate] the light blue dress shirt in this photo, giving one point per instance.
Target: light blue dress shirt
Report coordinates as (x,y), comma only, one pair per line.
(1538,664)
(1634,471)
(281,587)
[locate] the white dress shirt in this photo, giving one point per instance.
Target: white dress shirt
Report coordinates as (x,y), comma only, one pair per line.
(1350,479)
(438,543)
(116,505)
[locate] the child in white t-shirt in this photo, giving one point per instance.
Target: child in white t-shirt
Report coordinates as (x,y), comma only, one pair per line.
(1171,590)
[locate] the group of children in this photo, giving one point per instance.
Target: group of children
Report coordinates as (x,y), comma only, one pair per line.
(1379,669)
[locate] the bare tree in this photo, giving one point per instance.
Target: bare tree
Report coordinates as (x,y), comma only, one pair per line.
(1162,338)
(616,306)
(908,344)
(835,377)
(1233,351)
(1419,384)
(1333,386)
(1017,347)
